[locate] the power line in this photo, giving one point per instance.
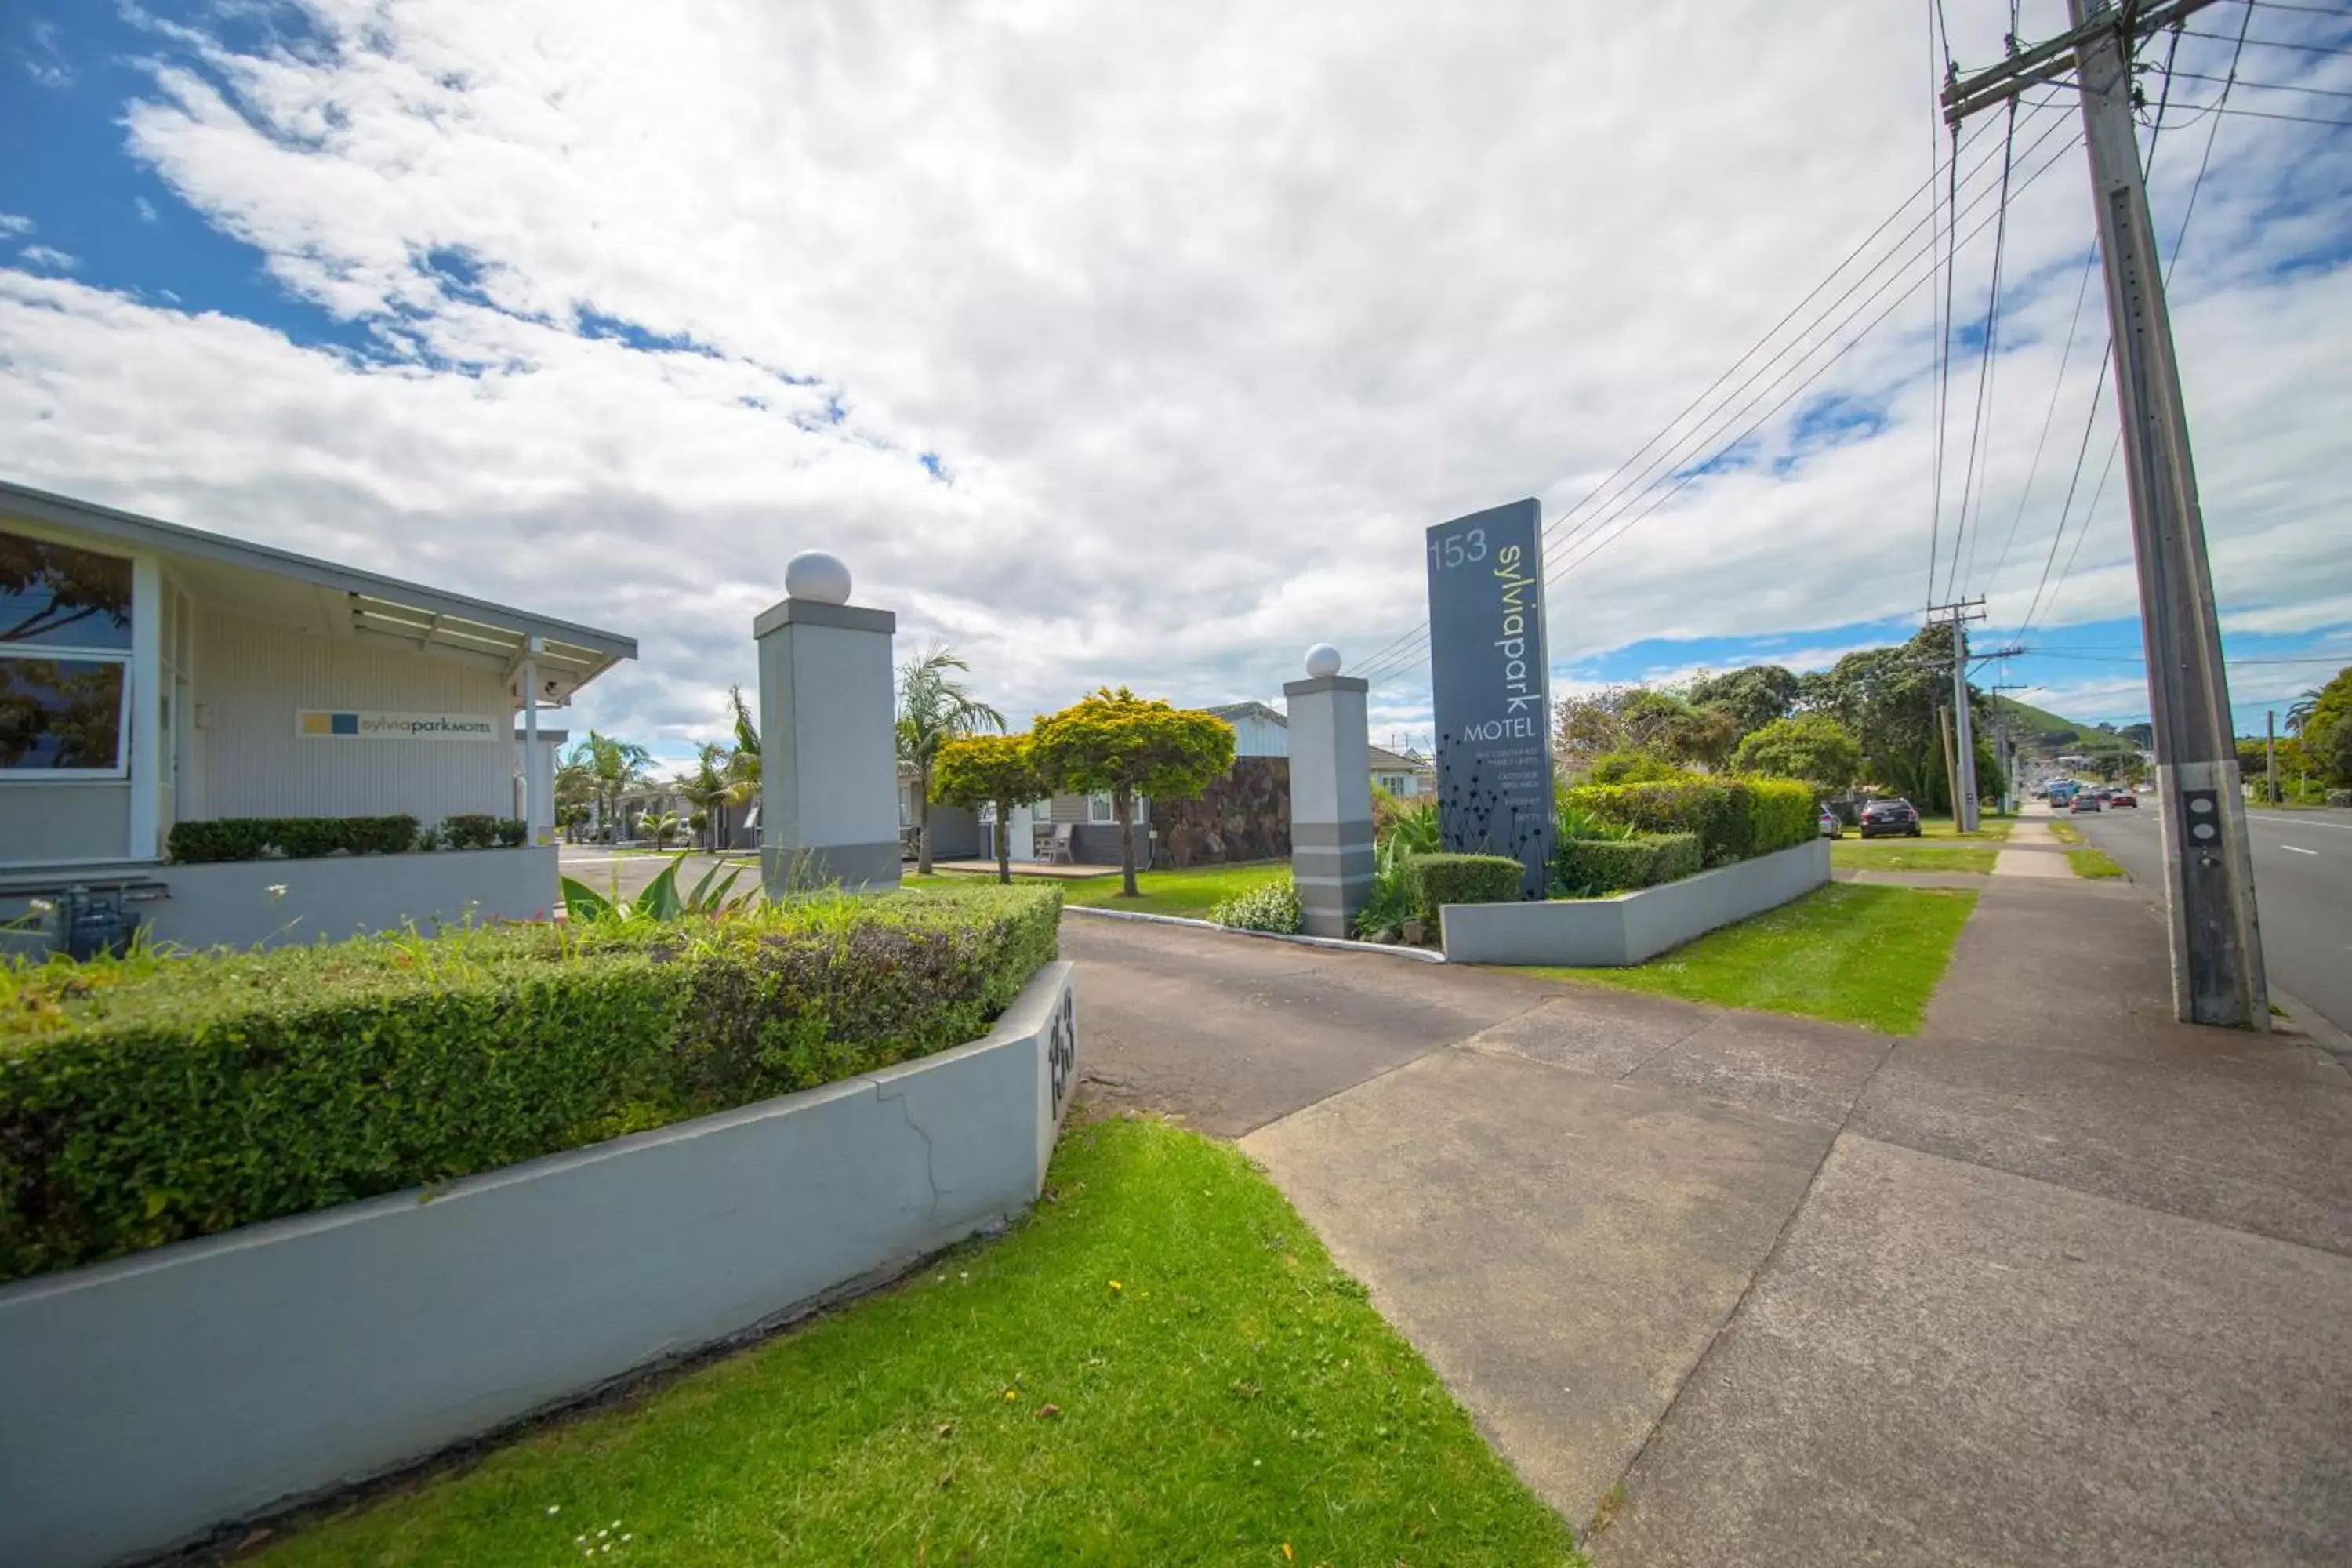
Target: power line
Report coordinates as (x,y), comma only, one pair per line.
(2050,415)
(1402,651)
(2270,43)
(1986,360)
(2292,119)
(2267,86)
(1599,539)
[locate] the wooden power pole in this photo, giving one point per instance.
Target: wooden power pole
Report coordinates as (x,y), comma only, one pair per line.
(2217,952)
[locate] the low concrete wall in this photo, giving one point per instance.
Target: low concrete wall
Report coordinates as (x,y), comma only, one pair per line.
(343,895)
(1632,927)
(148,1398)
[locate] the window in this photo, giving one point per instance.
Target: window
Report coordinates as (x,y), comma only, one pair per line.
(1098,809)
(65,655)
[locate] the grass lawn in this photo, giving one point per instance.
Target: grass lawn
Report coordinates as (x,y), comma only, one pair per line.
(1162,1366)
(1989,829)
(2092,863)
(2065,833)
(1910,855)
(1849,952)
(1190,893)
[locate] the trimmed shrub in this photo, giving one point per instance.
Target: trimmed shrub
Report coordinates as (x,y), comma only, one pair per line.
(1440,879)
(223,839)
(1633,767)
(1270,907)
(1585,866)
(151,1098)
(1783,815)
(480,830)
(1735,819)
(293,838)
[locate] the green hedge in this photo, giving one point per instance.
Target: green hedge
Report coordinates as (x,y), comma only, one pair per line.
(1585,866)
(294,838)
(1440,879)
(478,830)
(1734,819)
(150,1100)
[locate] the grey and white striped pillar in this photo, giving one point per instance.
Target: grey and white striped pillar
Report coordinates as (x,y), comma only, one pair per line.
(828,756)
(1330,793)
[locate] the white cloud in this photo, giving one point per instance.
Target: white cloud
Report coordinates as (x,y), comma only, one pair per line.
(145,208)
(1208,310)
(48,258)
(15,223)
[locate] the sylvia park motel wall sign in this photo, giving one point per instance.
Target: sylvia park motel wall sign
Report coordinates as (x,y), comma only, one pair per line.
(1490,681)
(328,724)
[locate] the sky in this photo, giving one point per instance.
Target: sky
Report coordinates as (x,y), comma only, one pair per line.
(1139,343)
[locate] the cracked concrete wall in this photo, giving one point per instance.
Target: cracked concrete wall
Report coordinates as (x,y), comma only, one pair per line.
(152,1396)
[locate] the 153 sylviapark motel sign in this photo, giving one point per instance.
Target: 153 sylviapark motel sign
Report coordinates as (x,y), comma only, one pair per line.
(1487,671)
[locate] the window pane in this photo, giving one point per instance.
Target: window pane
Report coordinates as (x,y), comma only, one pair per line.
(65,597)
(60,713)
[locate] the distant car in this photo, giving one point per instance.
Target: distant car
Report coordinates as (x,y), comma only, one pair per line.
(1894,817)
(2123,799)
(2083,801)
(1833,824)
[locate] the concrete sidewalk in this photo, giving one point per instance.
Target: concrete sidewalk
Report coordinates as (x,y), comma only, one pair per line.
(2059,1280)
(2032,850)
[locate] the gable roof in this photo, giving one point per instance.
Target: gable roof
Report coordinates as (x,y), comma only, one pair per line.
(1229,711)
(1387,762)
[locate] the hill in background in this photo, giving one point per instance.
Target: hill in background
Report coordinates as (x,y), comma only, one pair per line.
(2040,731)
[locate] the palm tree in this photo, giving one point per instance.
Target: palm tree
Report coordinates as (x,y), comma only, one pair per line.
(934,708)
(709,788)
(2300,713)
(613,767)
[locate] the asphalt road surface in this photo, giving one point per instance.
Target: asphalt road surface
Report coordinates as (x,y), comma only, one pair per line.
(2302,888)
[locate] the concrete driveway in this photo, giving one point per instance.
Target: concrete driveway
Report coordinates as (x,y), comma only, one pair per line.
(2057,1281)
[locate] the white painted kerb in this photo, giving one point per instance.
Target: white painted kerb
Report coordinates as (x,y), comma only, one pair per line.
(148,1398)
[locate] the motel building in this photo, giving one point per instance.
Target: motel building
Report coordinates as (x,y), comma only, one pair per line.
(153,677)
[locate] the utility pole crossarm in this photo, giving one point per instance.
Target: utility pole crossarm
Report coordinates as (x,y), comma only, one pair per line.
(1967,95)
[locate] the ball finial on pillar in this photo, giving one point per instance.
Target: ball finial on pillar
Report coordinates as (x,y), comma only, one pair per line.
(818,576)
(1322,661)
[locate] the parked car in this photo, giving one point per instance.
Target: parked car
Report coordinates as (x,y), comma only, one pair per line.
(1890,816)
(1833,824)
(2123,798)
(2086,801)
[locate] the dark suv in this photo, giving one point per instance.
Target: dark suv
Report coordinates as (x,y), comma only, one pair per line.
(1889,816)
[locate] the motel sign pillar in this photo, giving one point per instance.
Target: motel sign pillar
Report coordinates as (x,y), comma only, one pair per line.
(828,759)
(1330,793)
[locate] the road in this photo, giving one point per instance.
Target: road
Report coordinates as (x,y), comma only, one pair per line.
(2302,888)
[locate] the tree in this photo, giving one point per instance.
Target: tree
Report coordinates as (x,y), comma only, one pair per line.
(1679,730)
(973,771)
(664,826)
(1754,696)
(1589,726)
(1887,698)
(709,788)
(1127,745)
(934,708)
(612,767)
(1814,747)
(2324,728)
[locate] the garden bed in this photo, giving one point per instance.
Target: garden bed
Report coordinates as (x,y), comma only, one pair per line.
(797,1109)
(1632,927)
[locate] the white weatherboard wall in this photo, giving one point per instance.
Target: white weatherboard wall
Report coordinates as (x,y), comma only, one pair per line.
(253,678)
(151,1397)
(1632,927)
